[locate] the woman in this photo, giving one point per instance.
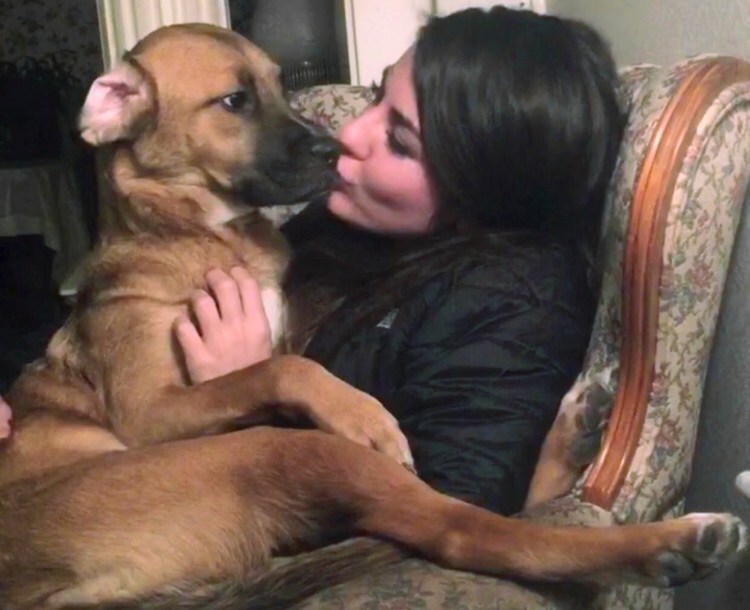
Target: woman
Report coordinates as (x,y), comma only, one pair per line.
(448,271)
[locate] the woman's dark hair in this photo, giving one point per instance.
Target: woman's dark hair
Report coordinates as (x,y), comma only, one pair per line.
(519,118)
(520,127)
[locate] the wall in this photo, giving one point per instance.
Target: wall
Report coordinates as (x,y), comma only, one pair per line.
(379,32)
(665,30)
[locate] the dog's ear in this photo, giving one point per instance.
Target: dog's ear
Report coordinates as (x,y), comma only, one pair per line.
(117,106)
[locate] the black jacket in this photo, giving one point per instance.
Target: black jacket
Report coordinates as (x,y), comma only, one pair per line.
(474,368)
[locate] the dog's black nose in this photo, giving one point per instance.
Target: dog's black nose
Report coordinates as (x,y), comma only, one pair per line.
(326,149)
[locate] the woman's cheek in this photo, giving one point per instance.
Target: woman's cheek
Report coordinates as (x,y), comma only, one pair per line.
(388,185)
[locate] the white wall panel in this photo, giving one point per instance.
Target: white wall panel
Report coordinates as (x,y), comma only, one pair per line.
(448,6)
(379,32)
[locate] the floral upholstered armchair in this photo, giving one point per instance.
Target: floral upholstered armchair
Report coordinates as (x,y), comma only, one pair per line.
(673,211)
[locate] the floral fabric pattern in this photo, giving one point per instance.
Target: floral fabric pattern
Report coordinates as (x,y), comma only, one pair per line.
(331,106)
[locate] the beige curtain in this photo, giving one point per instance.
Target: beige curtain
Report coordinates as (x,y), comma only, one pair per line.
(123,22)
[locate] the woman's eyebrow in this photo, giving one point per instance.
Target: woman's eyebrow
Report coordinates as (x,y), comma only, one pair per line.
(395,116)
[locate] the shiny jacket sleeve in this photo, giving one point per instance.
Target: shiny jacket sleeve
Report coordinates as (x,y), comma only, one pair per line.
(481,376)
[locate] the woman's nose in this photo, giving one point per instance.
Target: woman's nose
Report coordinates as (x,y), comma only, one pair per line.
(354,136)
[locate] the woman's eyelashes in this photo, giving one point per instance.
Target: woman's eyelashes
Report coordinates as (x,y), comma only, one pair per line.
(396,146)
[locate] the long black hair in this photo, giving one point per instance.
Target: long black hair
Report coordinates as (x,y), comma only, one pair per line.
(519,117)
(520,128)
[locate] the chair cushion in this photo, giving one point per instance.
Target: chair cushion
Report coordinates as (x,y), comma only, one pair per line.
(418,584)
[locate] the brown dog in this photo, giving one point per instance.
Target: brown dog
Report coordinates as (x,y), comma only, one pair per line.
(123,483)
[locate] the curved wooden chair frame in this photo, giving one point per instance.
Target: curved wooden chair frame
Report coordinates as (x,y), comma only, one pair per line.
(642,268)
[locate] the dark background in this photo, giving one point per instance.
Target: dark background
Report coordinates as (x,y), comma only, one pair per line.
(49,55)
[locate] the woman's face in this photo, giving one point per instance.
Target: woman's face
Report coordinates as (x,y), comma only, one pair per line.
(384,186)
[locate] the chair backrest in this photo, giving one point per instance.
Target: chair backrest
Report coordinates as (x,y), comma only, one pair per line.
(332,105)
(673,211)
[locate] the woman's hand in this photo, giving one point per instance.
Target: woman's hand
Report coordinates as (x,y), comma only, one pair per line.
(232,330)
(6,417)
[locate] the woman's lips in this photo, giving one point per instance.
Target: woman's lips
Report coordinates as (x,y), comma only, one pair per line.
(342,182)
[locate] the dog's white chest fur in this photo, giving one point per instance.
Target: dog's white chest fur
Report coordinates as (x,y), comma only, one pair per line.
(275,308)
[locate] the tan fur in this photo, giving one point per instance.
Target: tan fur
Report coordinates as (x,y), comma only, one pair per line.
(121,481)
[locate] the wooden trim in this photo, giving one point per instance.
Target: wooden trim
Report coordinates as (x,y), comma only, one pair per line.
(642,267)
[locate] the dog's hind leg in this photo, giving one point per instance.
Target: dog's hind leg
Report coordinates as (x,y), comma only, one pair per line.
(389,502)
(132,525)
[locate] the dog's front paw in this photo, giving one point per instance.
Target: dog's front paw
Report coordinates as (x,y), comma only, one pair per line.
(361,418)
(371,424)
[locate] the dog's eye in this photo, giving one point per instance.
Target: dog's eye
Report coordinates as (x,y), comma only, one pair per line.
(235,101)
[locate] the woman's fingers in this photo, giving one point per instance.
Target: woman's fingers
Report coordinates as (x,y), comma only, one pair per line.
(226,291)
(232,330)
(197,358)
(188,337)
(206,311)
(255,315)
(249,291)
(255,326)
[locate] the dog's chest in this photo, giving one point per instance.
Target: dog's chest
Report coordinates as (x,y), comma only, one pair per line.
(274,306)
(265,255)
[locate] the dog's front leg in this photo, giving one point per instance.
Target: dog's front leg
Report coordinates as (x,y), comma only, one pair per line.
(251,396)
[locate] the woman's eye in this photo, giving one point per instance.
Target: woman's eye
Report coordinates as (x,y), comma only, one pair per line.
(396,146)
(235,101)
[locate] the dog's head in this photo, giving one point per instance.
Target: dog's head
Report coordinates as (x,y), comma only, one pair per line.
(201,105)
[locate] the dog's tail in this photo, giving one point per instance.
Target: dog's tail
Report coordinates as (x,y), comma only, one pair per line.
(282,586)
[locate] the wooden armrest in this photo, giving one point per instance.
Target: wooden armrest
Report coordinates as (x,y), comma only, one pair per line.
(642,267)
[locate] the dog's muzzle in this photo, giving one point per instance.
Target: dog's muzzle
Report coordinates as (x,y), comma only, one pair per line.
(326,148)
(296,161)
